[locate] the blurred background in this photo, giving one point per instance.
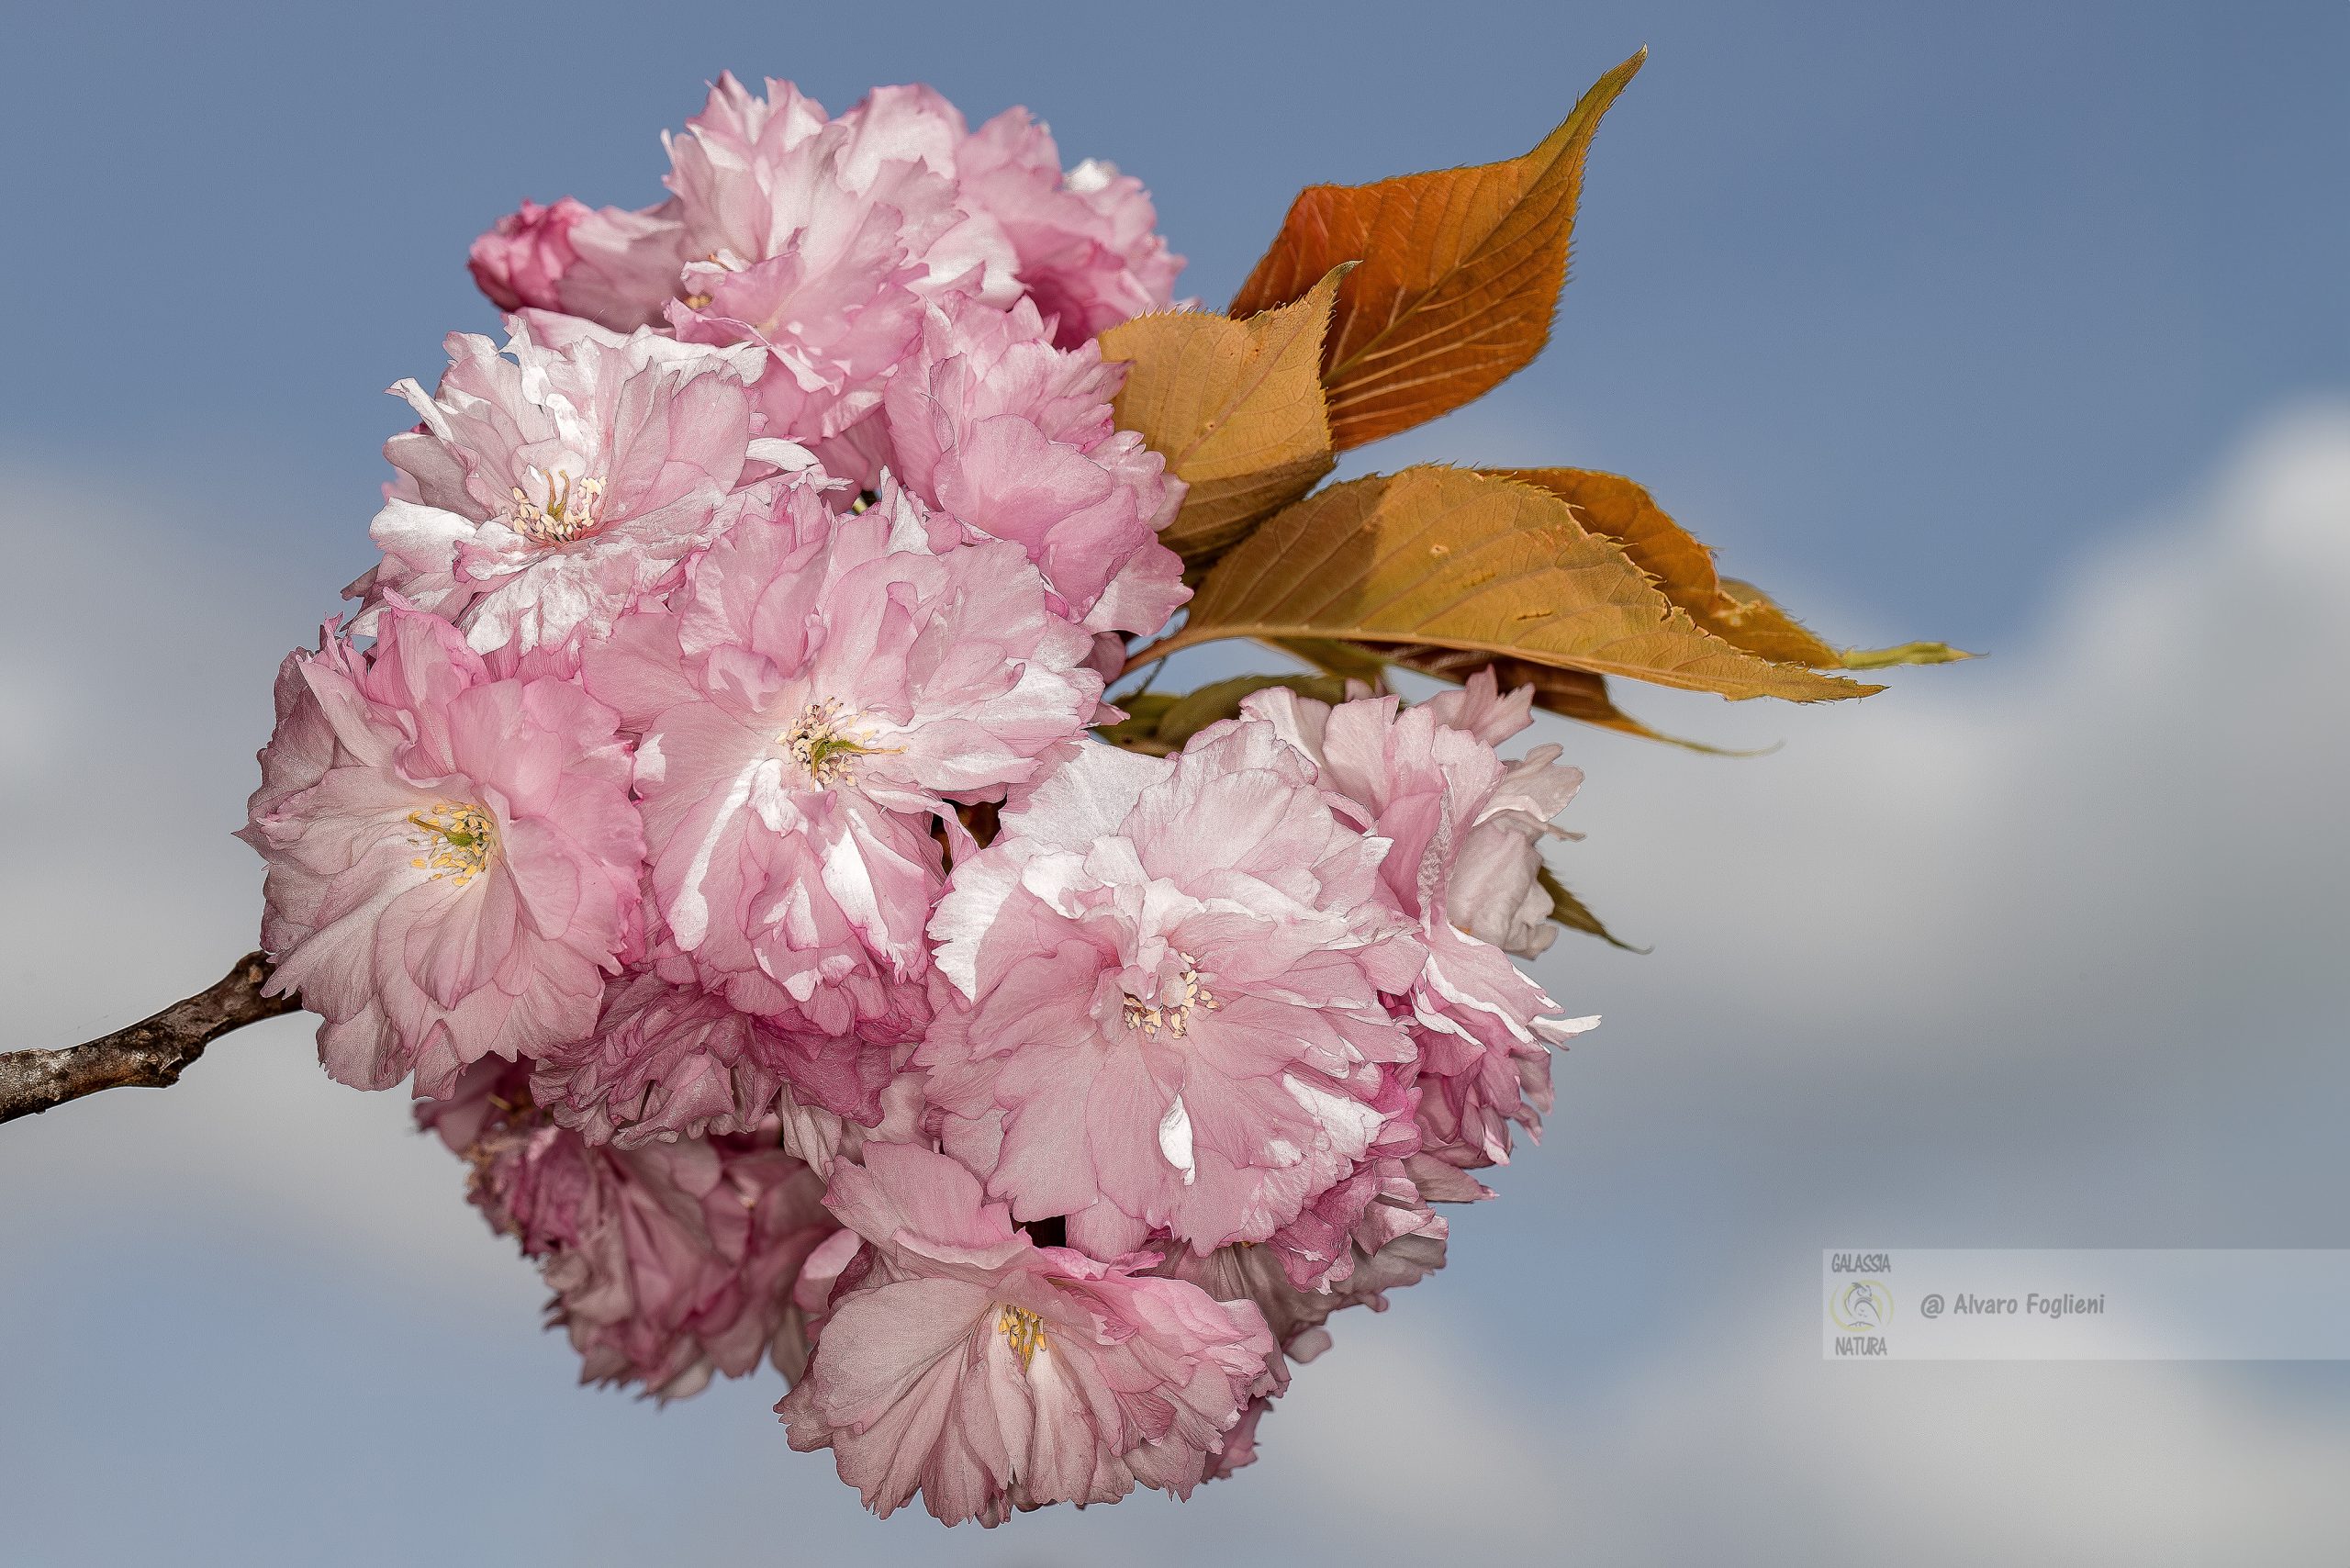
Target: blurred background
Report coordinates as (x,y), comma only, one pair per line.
(2019,325)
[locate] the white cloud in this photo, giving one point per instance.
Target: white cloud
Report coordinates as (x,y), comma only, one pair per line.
(2119,811)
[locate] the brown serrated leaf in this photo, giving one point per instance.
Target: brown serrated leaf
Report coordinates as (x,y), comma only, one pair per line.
(1575,915)
(1457,559)
(1234,406)
(1736,612)
(1459,279)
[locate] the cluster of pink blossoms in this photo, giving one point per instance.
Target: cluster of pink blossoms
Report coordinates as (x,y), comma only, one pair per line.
(701,813)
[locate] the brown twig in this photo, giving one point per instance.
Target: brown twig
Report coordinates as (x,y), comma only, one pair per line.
(150,1054)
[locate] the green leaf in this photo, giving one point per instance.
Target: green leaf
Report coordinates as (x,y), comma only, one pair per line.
(1140,730)
(1159,722)
(1905,653)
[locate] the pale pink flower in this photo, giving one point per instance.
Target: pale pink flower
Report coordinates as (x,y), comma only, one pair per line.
(668,1262)
(452,857)
(960,1359)
(522,260)
(1163,1008)
(811,698)
(1240,1449)
(1493,894)
(616,268)
(1463,825)
(1090,251)
(820,240)
(1357,1212)
(668,1060)
(812,1301)
(551,487)
(1015,439)
(1398,1242)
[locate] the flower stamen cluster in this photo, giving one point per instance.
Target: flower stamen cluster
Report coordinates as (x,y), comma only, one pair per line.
(825,742)
(1175,1017)
(457,841)
(1023,1331)
(568,512)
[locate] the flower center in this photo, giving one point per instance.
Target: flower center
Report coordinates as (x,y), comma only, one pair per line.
(455,840)
(1174,1017)
(571,511)
(825,742)
(725,261)
(1023,1331)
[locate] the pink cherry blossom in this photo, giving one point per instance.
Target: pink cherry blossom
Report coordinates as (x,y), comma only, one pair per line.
(1362,1210)
(813,697)
(1493,894)
(522,259)
(669,1262)
(820,240)
(669,1060)
(960,1359)
(1399,1242)
(452,857)
(1091,254)
(1463,825)
(1015,439)
(552,485)
(1163,1008)
(615,268)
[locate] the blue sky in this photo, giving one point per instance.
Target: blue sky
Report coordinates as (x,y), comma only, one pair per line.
(2018,325)
(1901,305)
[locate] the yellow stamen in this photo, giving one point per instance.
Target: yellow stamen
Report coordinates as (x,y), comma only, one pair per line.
(457,841)
(821,743)
(1151,1017)
(571,511)
(1023,1331)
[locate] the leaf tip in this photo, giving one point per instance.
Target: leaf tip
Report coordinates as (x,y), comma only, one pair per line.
(1904,654)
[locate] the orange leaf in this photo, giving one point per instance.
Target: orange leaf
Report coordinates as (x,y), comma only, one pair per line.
(1460,278)
(1624,511)
(1739,613)
(1234,406)
(1456,559)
